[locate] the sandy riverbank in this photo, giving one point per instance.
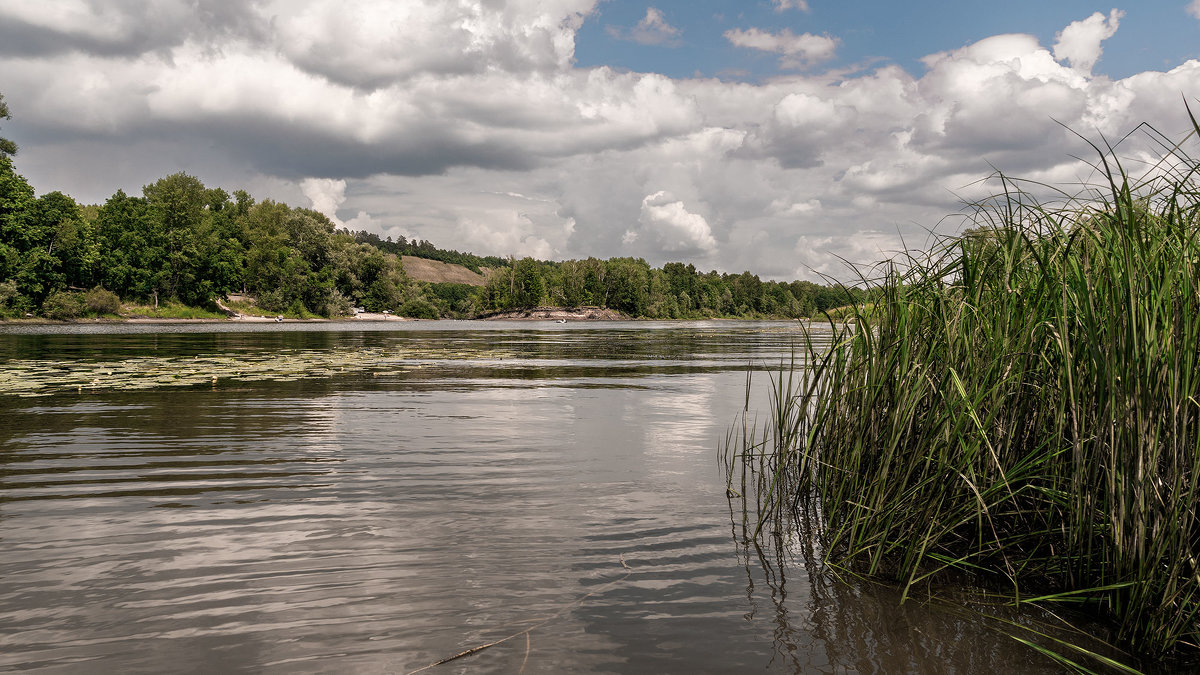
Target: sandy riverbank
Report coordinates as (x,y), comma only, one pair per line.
(235,315)
(362,316)
(557,314)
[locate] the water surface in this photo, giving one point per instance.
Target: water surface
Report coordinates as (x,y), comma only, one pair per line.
(376,498)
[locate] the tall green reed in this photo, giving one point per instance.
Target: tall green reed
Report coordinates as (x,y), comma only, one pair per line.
(1022,404)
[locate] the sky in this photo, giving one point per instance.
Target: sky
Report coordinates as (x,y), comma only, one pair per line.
(784,137)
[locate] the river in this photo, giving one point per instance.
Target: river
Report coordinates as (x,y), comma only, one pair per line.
(376,498)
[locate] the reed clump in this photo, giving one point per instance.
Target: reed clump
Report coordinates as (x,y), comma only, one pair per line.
(1023,405)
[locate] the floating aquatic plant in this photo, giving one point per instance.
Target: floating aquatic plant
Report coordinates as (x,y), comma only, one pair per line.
(37,377)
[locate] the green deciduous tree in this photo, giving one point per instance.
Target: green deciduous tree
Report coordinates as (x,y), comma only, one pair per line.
(176,209)
(7,147)
(130,252)
(527,284)
(16,199)
(627,282)
(497,293)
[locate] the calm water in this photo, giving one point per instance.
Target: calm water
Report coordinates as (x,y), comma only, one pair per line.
(378,498)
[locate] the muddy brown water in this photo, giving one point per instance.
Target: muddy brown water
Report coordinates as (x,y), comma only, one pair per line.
(376,498)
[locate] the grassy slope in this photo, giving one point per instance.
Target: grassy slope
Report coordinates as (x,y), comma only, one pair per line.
(437,272)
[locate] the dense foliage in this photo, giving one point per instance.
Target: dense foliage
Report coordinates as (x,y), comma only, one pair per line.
(1025,407)
(674,291)
(183,242)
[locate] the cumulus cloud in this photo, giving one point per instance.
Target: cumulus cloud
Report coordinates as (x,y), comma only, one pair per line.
(653,29)
(781,5)
(822,258)
(1193,8)
(120,29)
(798,51)
(676,229)
(366,44)
(273,114)
(375,43)
(325,195)
(1079,43)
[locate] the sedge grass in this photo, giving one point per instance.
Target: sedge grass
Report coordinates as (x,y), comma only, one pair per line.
(1023,405)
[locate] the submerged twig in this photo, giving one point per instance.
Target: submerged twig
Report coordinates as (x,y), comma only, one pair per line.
(528,631)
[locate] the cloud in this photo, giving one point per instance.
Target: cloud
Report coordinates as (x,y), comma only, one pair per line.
(1193,8)
(121,29)
(822,258)
(676,229)
(468,124)
(325,195)
(372,44)
(653,29)
(272,114)
(1079,43)
(781,5)
(366,44)
(788,208)
(799,51)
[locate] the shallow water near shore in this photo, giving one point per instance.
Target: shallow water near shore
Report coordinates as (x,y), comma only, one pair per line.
(376,498)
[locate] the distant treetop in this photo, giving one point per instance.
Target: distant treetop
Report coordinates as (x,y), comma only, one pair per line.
(7,147)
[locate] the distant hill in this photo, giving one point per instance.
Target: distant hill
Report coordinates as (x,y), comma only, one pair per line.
(425,249)
(437,272)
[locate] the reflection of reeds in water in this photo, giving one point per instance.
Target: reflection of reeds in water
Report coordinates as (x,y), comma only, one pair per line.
(825,621)
(1024,407)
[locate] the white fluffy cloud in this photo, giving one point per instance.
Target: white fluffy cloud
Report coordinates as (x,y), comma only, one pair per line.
(467,123)
(799,51)
(677,230)
(325,195)
(1193,8)
(1079,43)
(375,43)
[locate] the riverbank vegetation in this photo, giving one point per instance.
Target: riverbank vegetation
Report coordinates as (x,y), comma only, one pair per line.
(183,243)
(1024,410)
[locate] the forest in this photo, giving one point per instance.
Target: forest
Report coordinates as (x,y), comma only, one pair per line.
(182,244)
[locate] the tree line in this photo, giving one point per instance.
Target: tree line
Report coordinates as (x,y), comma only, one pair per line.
(673,291)
(182,242)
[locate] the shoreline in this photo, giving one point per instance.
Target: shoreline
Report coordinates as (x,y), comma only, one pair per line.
(43,321)
(557,314)
(531,314)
